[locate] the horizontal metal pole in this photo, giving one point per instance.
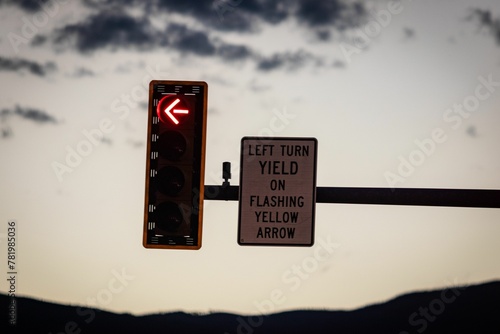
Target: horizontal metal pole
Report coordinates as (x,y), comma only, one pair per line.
(222,193)
(474,198)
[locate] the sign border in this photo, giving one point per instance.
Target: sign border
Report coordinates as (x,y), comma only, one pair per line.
(313,216)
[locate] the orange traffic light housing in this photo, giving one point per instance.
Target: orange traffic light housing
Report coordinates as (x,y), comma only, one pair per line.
(175,164)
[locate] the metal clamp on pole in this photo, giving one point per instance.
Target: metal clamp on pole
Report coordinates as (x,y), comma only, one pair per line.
(226,173)
(225,192)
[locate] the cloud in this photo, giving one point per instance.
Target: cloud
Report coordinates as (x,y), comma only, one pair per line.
(338,64)
(244,16)
(234,52)
(224,15)
(190,41)
(198,42)
(408,33)
(487,22)
(471,131)
(35,115)
(247,15)
(210,13)
(323,35)
(287,60)
(27,5)
(5,132)
(112,29)
(483,16)
(115,30)
(81,72)
(20,64)
(335,13)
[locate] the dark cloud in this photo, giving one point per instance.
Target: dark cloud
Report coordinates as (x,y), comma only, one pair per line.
(486,21)
(120,30)
(246,15)
(35,115)
(271,63)
(27,5)
(106,4)
(483,16)
(234,52)
(112,29)
(188,40)
(342,14)
(270,11)
(286,60)
(317,13)
(218,14)
(189,7)
(225,15)
(323,35)
(335,13)
(222,15)
(39,40)
(20,64)
(198,42)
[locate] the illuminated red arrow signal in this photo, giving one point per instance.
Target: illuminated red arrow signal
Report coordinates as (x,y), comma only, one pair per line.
(170,107)
(170,113)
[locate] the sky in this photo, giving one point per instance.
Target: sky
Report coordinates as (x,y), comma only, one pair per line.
(398,94)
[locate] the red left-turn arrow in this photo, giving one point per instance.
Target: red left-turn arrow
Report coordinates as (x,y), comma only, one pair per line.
(170,111)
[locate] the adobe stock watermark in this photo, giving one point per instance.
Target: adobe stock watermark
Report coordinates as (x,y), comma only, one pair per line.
(103,297)
(121,107)
(32,25)
(372,29)
(454,117)
(427,314)
(293,278)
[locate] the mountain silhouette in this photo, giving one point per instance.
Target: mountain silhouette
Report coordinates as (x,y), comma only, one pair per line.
(463,309)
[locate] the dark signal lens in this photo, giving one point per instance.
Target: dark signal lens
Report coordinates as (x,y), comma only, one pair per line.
(170,180)
(172,145)
(169,216)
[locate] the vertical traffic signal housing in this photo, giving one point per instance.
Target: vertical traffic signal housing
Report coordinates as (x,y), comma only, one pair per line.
(175,164)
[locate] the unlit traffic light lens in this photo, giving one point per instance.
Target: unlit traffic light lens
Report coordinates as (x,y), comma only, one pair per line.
(170,180)
(172,145)
(171,216)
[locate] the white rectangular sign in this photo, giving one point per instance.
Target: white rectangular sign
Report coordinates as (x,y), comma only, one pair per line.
(277,197)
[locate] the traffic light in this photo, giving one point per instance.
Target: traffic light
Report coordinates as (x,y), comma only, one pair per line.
(175,164)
